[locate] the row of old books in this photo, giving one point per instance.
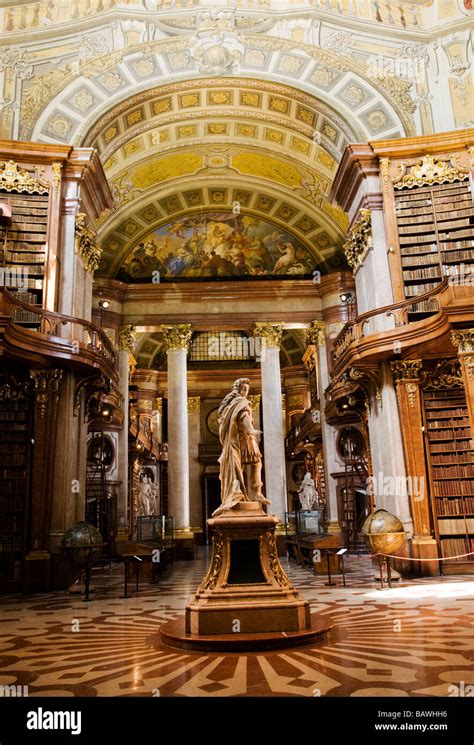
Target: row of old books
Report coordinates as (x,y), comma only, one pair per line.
(456,526)
(457,547)
(455,505)
(442,460)
(453,488)
(441,422)
(447,447)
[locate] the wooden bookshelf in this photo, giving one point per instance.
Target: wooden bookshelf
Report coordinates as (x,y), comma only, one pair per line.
(23,245)
(436,237)
(450,454)
(15,446)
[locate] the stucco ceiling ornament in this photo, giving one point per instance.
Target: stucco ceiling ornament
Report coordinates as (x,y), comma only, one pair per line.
(217,48)
(13,59)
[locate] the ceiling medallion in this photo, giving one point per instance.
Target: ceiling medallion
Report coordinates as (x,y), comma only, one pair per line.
(216,161)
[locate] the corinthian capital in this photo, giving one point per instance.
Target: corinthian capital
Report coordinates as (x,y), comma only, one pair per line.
(315,334)
(463,340)
(46,382)
(269,333)
(126,339)
(406,369)
(177,337)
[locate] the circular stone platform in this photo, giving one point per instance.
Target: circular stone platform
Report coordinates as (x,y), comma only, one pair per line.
(173,634)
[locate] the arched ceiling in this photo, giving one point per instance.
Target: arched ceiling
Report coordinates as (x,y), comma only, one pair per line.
(197,147)
(240,117)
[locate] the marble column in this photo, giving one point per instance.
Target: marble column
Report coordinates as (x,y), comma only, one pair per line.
(463,340)
(316,337)
(194,426)
(384,427)
(406,375)
(177,339)
(274,440)
(69,481)
(126,344)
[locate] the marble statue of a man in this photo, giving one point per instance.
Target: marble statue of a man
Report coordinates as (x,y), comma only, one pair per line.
(240,460)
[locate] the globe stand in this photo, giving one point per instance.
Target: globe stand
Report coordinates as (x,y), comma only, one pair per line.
(386,559)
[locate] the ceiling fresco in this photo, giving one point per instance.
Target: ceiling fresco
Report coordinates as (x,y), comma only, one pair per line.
(217,245)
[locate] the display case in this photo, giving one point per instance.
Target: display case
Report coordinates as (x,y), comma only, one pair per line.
(311,523)
(156,529)
(305,524)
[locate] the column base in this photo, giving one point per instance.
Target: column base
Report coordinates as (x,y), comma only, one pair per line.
(425,548)
(37,572)
(185,544)
(333,527)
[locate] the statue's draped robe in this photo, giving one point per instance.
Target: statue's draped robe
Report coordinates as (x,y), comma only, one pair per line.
(230,461)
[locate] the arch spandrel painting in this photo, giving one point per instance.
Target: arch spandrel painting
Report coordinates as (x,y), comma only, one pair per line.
(218,245)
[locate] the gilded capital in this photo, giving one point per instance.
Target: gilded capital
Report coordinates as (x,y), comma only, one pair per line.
(315,334)
(86,245)
(126,339)
(270,333)
(46,382)
(406,369)
(159,405)
(463,340)
(194,404)
(255,401)
(177,337)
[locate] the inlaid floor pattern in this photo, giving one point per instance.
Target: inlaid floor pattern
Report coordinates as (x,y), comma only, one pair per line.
(414,640)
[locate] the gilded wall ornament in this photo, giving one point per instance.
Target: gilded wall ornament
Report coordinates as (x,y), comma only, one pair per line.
(445,375)
(429,170)
(411,389)
(57,168)
(270,333)
(14,389)
(177,337)
(14,178)
(360,241)
(86,245)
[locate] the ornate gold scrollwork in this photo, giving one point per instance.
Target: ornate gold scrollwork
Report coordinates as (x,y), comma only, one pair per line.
(14,178)
(428,171)
(86,245)
(360,240)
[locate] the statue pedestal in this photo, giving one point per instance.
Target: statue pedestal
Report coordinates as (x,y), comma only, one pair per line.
(245,597)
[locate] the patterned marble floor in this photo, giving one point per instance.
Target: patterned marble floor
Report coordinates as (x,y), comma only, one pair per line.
(414,640)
